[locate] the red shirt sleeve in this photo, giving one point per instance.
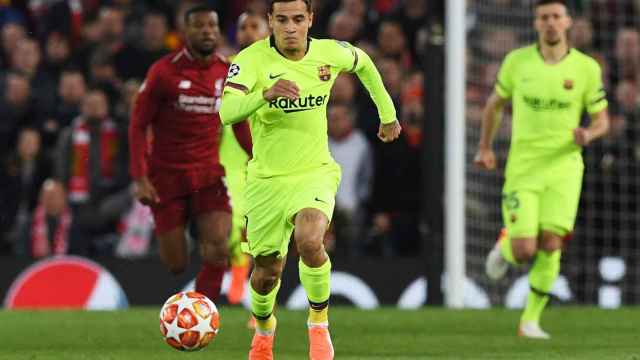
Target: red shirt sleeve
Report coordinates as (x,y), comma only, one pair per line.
(144,111)
(243,135)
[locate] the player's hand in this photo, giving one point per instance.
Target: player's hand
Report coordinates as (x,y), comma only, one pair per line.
(389,132)
(485,159)
(582,136)
(145,192)
(282,88)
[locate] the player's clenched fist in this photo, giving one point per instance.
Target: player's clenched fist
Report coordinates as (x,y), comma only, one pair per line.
(145,192)
(485,159)
(389,132)
(581,136)
(282,88)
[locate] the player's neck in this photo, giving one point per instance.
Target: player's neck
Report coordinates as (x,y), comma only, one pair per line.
(292,54)
(553,54)
(200,58)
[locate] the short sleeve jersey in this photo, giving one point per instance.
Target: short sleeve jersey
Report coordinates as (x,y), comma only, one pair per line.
(548,102)
(290,137)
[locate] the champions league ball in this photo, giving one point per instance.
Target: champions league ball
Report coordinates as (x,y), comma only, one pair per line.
(189,321)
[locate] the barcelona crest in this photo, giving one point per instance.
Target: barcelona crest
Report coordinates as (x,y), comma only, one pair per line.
(324,72)
(568,84)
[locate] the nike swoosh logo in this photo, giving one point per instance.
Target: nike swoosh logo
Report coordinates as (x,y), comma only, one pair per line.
(271,76)
(322,201)
(296,110)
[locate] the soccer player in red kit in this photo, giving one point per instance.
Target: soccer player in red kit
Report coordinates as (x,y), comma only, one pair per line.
(180,177)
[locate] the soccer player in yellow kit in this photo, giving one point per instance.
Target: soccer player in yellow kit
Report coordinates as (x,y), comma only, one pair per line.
(549,85)
(285,81)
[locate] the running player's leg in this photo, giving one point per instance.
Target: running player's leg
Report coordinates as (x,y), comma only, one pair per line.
(559,206)
(312,211)
(268,235)
(170,217)
(517,244)
(210,207)
(315,275)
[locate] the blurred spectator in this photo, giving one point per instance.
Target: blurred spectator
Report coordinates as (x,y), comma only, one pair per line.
(18,107)
(351,150)
(412,14)
(127,98)
(626,62)
(26,58)
(393,43)
(396,214)
(343,27)
(581,35)
(608,16)
(626,97)
(497,42)
(11,34)
(22,176)
(71,90)
(57,55)
(49,233)
(91,161)
(251,28)
(344,89)
(102,74)
(151,48)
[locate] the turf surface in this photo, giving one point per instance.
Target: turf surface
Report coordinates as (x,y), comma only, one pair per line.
(578,333)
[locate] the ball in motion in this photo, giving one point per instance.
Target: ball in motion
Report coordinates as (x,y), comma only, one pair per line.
(189,321)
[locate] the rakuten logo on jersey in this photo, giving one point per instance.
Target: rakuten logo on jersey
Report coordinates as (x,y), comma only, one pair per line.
(302,104)
(197,104)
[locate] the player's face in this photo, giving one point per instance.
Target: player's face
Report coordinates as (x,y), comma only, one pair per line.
(251,28)
(552,23)
(202,32)
(290,23)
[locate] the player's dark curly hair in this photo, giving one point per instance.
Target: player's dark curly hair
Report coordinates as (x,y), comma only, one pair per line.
(307,2)
(548,2)
(198,9)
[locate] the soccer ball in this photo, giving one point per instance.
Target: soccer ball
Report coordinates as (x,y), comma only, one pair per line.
(189,321)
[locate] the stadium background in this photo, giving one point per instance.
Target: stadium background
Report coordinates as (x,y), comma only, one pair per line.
(391,233)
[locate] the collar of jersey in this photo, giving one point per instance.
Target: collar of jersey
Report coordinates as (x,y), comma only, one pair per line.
(569,48)
(272,43)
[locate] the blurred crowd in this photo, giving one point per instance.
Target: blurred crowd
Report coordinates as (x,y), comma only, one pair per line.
(70,71)
(609,31)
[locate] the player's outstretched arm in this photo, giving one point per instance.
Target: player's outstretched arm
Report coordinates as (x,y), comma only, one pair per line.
(237,103)
(599,127)
(370,77)
(491,117)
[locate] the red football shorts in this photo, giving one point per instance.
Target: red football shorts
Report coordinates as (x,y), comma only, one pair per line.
(174,212)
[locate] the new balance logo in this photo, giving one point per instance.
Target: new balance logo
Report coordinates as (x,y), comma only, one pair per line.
(271,76)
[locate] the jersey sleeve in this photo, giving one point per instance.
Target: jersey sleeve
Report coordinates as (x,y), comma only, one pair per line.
(346,56)
(504,83)
(595,97)
(242,75)
(147,103)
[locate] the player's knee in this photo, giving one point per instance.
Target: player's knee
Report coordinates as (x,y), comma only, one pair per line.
(215,254)
(523,251)
(551,243)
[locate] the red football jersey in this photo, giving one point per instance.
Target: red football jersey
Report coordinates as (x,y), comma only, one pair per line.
(179,101)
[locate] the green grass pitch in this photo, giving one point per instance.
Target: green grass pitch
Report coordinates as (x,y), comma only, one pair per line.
(578,333)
